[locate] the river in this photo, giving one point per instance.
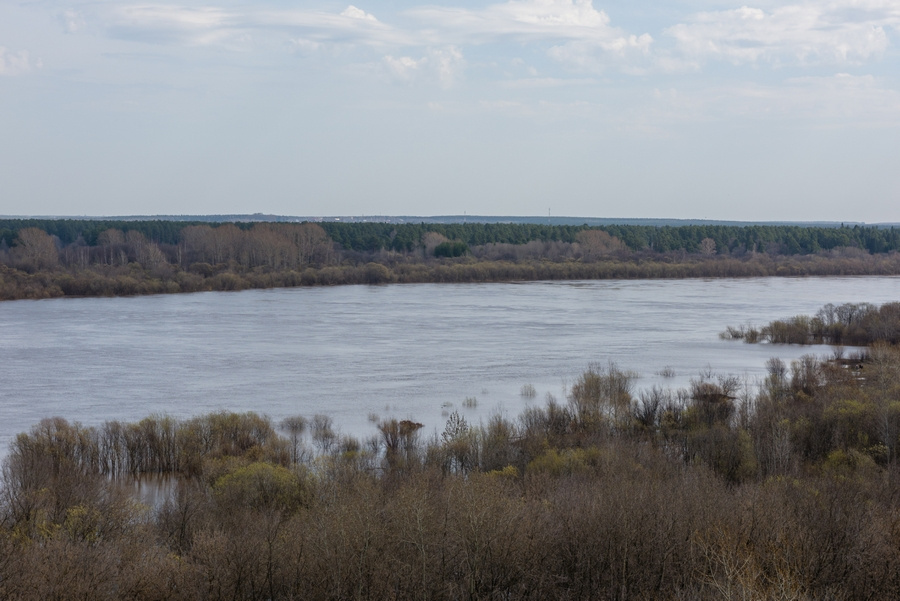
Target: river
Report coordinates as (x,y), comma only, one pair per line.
(406,351)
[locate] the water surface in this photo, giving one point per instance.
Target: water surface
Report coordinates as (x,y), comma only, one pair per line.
(407,351)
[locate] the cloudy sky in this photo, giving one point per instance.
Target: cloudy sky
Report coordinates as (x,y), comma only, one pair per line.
(606,108)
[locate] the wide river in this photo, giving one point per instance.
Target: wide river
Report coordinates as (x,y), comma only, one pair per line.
(405,351)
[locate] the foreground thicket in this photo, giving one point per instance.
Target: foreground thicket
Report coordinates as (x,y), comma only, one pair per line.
(712,492)
(52,258)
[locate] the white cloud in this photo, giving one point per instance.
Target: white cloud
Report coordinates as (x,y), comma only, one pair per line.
(357,13)
(428,42)
(443,66)
(213,25)
(160,22)
(524,19)
(527,20)
(175,17)
(404,68)
(304,46)
(841,32)
(448,64)
(73,20)
(555,21)
(595,55)
(15,63)
(536,16)
(583,35)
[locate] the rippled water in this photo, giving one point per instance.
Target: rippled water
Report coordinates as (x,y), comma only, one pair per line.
(406,351)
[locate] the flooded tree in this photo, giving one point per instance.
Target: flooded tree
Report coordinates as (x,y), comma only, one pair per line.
(711,491)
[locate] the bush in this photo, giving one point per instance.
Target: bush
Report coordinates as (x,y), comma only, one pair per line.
(260,486)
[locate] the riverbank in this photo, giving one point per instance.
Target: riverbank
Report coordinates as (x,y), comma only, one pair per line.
(133,279)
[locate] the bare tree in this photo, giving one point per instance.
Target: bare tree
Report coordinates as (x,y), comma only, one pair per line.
(323,433)
(295,426)
(431,240)
(110,240)
(311,242)
(708,247)
(36,249)
(597,243)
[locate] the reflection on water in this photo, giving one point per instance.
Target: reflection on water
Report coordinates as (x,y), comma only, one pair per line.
(405,351)
(153,490)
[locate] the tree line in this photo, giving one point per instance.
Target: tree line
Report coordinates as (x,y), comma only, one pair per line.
(407,237)
(51,258)
(715,491)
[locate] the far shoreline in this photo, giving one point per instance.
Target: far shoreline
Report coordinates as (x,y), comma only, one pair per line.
(135,280)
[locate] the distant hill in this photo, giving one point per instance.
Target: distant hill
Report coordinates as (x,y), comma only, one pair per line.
(592,221)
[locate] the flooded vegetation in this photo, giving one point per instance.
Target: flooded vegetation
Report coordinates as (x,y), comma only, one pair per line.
(703,492)
(854,324)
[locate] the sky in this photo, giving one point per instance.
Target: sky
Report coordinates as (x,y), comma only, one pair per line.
(692,109)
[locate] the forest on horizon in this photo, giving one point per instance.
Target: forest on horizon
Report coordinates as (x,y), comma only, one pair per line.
(43,258)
